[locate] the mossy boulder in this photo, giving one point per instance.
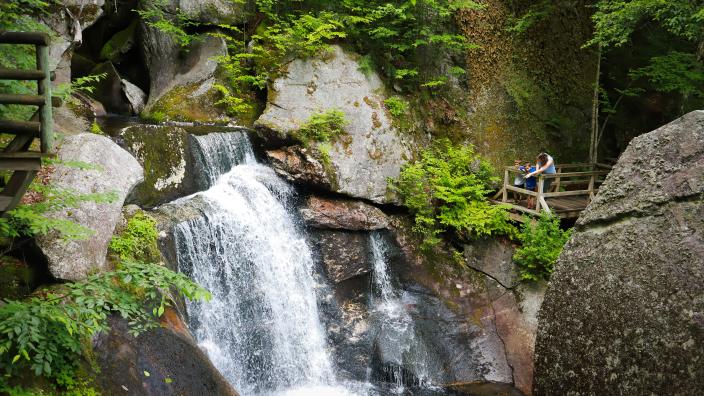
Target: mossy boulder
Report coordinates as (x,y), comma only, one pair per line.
(164,152)
(194,102)
(119,44)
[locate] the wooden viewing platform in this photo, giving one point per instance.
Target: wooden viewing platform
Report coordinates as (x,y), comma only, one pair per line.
(573,187)
(18,156)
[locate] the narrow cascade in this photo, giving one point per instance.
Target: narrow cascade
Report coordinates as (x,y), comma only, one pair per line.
(262,328)
(217,153)
(405,356)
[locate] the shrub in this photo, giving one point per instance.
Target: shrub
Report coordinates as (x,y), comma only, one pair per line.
(541,244)
(50,332)
(396,105)
(322,127)
(138,241)
(446,191)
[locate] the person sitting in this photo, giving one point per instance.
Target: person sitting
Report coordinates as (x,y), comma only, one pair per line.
(544,164)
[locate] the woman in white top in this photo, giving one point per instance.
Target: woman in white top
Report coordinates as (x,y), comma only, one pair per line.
(544,164)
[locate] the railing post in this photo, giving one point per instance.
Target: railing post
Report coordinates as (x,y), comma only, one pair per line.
(44,88)
(557,182)
(591,186)
(539,198)
(504,197)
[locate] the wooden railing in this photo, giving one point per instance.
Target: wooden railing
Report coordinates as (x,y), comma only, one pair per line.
(18,156)
(571,180)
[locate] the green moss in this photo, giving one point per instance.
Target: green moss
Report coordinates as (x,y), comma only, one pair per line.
(180,104)
(119,44)
(137,241)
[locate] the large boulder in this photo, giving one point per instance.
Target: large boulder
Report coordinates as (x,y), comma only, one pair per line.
(371,151)
(181,80)
(113,170)
(345,254)
(161,361)
(343,214)
(624,311)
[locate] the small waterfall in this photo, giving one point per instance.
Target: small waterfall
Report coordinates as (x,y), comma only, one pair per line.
(262,328)
(405,356)
(217,153)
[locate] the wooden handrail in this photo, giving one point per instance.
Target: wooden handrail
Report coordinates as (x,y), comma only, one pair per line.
(35,38)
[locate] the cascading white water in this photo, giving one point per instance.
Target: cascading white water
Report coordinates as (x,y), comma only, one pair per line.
(397,338)
(262,328)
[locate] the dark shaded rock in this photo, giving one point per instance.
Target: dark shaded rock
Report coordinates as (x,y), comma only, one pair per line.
(482,389)
(119,44)
(165,153)
(108,90)
(345,254)
(624,310)
(162,361)
(168,216)
(115,171)
(17,278)
(297,165)
(343,214)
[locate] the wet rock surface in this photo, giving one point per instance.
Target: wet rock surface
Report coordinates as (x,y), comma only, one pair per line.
(371,150)
(342,214)
(624,310)
(115,171)
(298,165)
(162,361)
(344,254)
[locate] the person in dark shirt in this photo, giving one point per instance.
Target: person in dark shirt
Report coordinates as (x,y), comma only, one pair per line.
(530,184)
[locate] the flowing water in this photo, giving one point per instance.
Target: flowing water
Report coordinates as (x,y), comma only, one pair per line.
(406,358)
(262,329)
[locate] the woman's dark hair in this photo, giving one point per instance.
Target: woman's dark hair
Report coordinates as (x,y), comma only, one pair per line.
(543,157)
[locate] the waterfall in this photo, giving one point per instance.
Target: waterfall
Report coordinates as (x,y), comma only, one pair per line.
(262,328)
(217,153)
(406,361)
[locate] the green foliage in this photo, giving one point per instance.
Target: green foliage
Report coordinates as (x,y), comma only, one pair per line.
(154,117)
(541,244)
(675,72)
(50,333)
(95,128)
(322,127)
(29,220)
(138,241)
(84,84)
(535,13)
(396,105)
(616,20)
(446,191)
(17,15)
(156,14)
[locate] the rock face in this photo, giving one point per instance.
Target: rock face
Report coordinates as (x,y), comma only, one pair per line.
(181,84)
(342,214)
(165,153)
(162,361)
(115,171)
(344,254)
(372,149)
(624,313)
(298,165)
(217,11)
